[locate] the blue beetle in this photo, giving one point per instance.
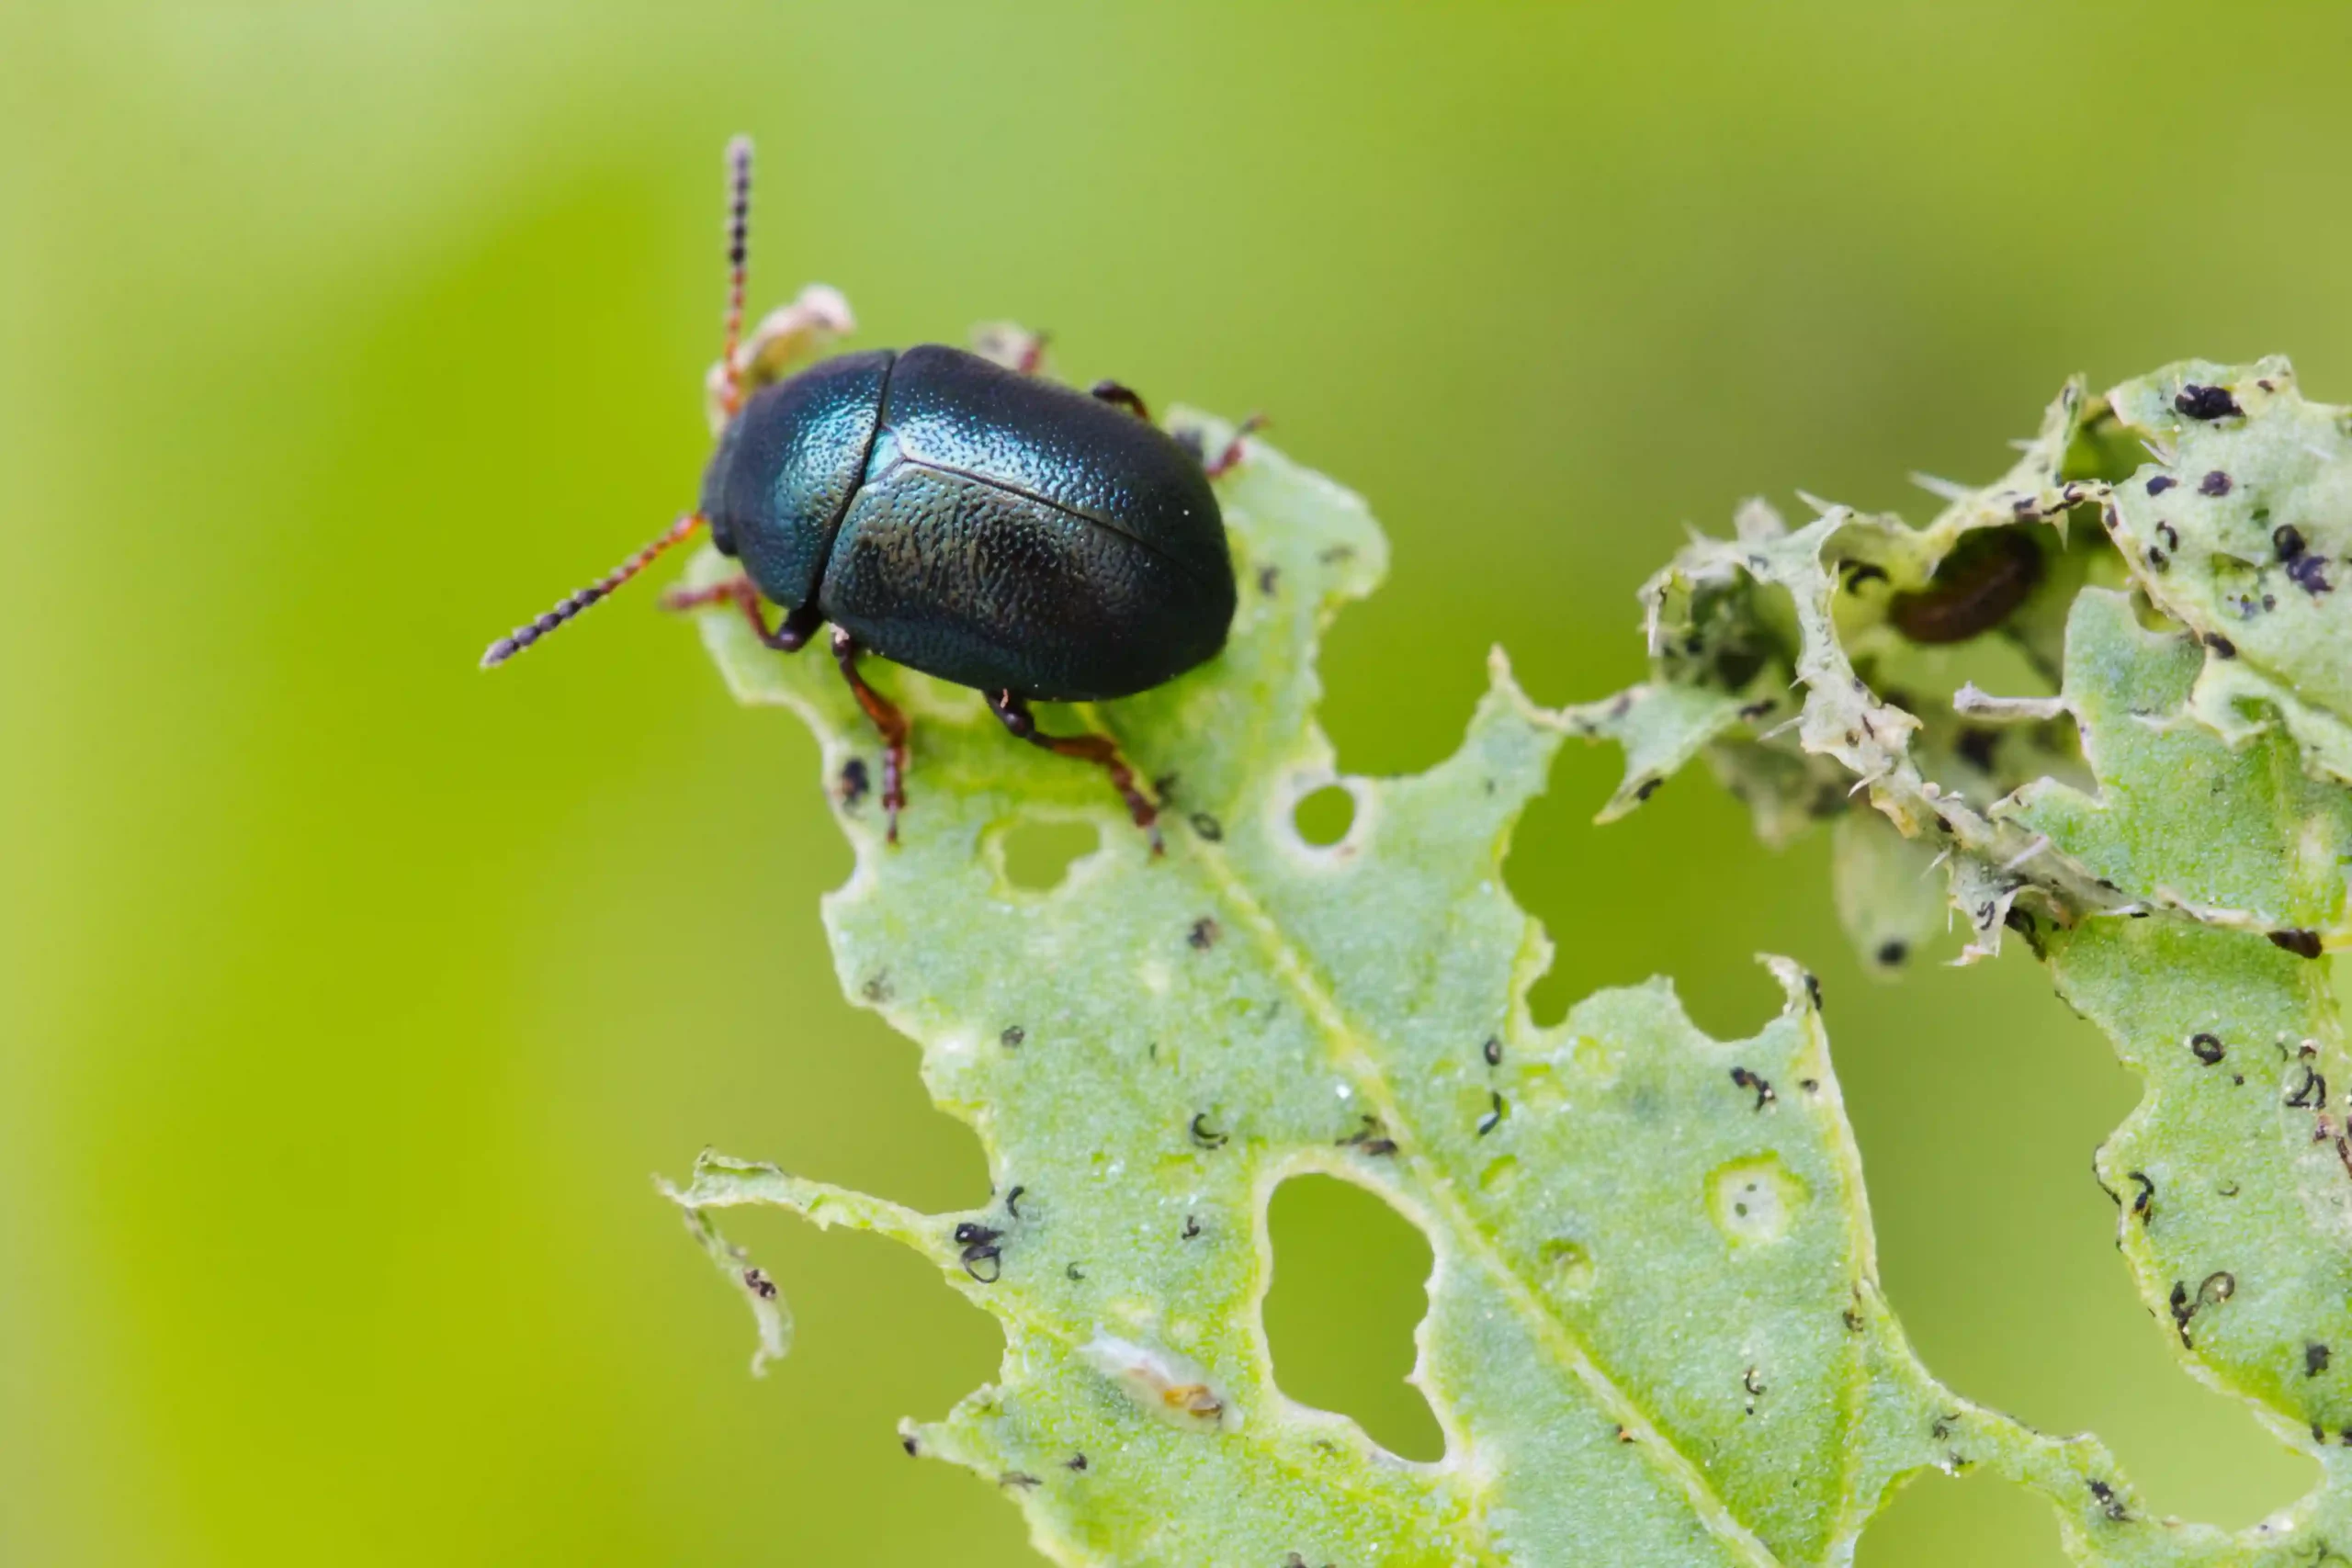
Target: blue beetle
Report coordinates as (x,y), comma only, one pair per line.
(954,514)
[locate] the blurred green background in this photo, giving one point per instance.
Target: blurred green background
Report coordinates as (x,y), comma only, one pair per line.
(347,996)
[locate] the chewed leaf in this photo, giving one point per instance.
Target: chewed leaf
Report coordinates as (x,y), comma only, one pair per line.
(2234,1177)
(2234,835)
(2239,532)
(1661,726)
(2236,701)
(2164,820)
(1655,1331)
(2243,532)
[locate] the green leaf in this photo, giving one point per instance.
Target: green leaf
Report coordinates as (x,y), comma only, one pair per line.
(1892,720)
(2235,1173)
(2234,835)
(2178,861)
(2242,530)
(1655,1331)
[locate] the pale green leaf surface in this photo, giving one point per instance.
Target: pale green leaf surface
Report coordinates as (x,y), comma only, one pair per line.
(1663,726)
(2244,539)
(2234,1178)
(2183,819)
(1654,1333)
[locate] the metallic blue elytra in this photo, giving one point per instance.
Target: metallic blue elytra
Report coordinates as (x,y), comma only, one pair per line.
(994,529)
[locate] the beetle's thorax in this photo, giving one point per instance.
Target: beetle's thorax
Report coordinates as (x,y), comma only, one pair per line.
(786,468)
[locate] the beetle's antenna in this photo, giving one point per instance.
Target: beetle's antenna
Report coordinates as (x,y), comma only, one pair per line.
(739,256)
(523,636)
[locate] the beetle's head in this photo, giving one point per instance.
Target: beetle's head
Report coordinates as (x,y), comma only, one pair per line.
(712,505)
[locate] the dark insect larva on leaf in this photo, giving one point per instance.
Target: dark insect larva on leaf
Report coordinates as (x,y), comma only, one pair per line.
(1988,575)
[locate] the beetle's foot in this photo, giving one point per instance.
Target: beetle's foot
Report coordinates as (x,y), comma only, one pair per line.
(1234,449)
(784,337)
(888,720)
(793,636)
(1125,397)
(1098,749)
(894,786)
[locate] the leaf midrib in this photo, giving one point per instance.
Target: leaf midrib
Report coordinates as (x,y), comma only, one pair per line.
(1348,1044)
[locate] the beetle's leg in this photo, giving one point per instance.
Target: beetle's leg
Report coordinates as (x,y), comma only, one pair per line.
(1100,749)
(1125,397)
(887,720)
(1222,464)
(791,637)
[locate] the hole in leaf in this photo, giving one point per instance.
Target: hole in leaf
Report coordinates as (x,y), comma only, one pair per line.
(1940,1523)
(1970,1179)
(1324,817)
(1037,855)
(1349,1287)
(1550,997)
